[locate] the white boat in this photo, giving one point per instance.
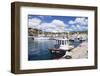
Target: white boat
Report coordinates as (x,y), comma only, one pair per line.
(62,45)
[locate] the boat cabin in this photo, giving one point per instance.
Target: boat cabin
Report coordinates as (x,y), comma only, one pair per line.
(62,41)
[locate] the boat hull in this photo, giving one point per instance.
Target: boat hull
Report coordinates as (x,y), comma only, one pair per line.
(57,53)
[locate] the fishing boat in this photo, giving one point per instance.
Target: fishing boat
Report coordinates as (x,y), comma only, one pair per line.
(61,46)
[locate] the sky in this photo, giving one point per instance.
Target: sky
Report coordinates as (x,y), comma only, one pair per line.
(49,23)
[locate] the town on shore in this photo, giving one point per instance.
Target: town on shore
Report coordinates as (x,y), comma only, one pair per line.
(75,35)
(81,51)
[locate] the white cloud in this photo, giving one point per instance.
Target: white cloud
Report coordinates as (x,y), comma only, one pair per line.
(55,25)
(71,22)
(79,24)
(68,29)
(81,21)
(47,26)
(58,22)
(60,25)
(34,22)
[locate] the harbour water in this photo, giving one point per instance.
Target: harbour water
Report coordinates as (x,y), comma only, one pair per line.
(38,49)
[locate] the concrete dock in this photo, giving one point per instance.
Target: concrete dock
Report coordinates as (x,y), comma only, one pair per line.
(79,52)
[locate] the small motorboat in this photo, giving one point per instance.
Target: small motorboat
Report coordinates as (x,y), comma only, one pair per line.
(62,45)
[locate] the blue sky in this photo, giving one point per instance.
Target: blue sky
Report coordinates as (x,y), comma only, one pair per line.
(49,23)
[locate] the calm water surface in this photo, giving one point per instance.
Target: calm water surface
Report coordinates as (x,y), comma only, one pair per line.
(38,49)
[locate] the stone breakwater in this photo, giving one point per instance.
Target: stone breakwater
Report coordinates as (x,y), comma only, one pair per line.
(79,52)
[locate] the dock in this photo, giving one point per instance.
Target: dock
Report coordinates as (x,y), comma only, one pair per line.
(79,52)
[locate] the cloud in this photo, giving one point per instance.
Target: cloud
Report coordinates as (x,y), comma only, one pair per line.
(71,22)
(54,26)
(58,22)
(81,21)
(34,22)
(79,24)
(46,26)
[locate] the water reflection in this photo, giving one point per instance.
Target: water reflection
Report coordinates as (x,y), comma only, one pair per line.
(38,49)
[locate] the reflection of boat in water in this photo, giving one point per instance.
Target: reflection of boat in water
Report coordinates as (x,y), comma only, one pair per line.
(62,45)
